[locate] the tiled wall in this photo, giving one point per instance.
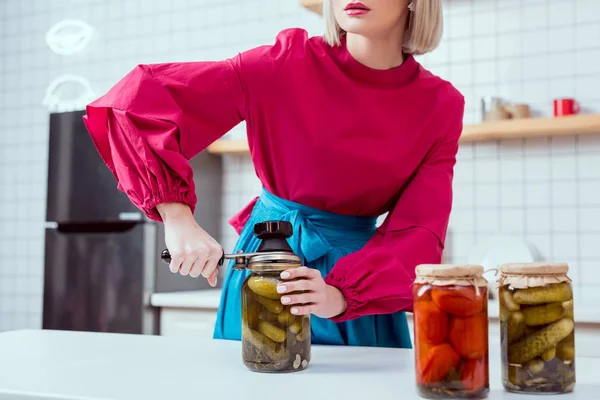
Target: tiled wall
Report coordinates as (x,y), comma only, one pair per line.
(546,191)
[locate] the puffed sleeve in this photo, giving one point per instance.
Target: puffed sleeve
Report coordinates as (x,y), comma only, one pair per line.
(378,278)
(154,120)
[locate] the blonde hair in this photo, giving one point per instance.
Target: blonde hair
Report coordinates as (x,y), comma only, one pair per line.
(423,33)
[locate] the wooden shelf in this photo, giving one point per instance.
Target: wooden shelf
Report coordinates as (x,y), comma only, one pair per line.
(493,130)
(315,6)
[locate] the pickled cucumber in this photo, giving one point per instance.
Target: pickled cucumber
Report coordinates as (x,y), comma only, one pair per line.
(266,315)
(554,293)
(286,318)
(549,354)
(568,306)
(515,326)
(264,347)
(532,346)
(296,326)
(264,286)
(273,306)
(544,314)
(250,313)
(506,298)
(301,337)
(271,331)
(535,366)
(565,352)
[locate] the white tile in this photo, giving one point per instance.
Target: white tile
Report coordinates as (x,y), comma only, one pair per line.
(461,50)
(484,23)
(542,242)
(586,88)
(464,171)
(535,67)
(484,47)
(565,246)
(538,194)
(589,219)
(461,25)
(590,273)
(537,168)
(486,171)
(562,40)
(462,221)
(588,61)
(465,151)
(564,194)
(589,143)
(564,167)
(535,91)
(536,42)
(534,16)
(589,193)
(511,92)
(485,72)
(487,221)
(561,13)
(587,11)
(460,245)
(561,88)
(486,149)
(487,195)
(587,35)
(509,45)
(512,195)
(508,20)
(537,220)
(511,148)
(565,220)
(461,74)
(509,70)
(463,197)
(589,166)
(539,145)
(589,245)
(512,220)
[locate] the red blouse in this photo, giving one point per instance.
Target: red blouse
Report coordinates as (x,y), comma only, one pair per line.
(323,130)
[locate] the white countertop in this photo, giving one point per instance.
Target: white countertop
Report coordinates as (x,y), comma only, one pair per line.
(209,298)
(36,364)
(585,312)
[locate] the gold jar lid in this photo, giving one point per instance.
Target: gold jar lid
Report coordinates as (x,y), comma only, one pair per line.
(534,274)
(451,274)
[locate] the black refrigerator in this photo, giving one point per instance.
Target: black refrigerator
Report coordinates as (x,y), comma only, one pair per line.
(101,253)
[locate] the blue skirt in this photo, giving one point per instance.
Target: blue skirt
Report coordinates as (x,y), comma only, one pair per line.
(320,238)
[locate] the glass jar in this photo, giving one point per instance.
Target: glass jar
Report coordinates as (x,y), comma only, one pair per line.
(273,339)
(537,328)
(451,332)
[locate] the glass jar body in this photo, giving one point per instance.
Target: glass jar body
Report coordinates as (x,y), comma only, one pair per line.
(451,341)
(273,340)
(537,333)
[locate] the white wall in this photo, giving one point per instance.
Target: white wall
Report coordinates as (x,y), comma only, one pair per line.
(547,191)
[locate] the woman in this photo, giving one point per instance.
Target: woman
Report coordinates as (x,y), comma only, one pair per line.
(342,128)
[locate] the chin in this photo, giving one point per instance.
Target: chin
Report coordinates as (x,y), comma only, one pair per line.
(357,27)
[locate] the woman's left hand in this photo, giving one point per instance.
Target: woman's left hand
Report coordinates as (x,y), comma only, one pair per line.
(319,298)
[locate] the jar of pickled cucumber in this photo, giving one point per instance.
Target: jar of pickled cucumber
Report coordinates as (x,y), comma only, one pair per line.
(273,339)
(451,332)
(537,329)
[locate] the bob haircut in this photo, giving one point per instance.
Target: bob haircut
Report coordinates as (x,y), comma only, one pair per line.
(423,32)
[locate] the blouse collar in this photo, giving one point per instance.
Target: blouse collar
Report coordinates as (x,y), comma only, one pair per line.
(397,76)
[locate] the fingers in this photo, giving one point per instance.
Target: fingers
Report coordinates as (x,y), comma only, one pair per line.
(304,310)
(296,286)
(212,280)
(302,272)
(301,298)
(203,261)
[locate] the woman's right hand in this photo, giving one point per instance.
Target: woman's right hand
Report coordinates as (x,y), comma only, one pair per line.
(193,251)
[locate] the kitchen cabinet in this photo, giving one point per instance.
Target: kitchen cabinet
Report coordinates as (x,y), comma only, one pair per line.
(490,130)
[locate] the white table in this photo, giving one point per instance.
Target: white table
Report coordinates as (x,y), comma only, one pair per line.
(36,364)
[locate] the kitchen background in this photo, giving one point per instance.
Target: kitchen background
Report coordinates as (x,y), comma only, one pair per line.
(543,190)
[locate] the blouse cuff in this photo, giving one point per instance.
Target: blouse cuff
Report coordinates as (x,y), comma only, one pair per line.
(149,207)
(351,296)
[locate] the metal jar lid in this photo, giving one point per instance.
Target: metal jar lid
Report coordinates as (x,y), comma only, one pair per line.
(274,261)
